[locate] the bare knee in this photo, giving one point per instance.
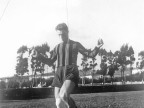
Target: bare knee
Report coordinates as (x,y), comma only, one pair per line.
(66,89)
(64,95)
(61,99)
(62,102)
(58,102)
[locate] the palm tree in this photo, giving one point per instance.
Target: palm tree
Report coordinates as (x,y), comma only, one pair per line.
(141,54)
(112,68)
(84,65)
(103,53)
(103,67)
(22,63)
(92,66)
(124,53)
(113,65)
(141,65)
(37,63)
(132,59)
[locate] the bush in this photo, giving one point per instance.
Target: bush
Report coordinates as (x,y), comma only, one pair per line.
(80,81)
(107,80)
(87,80)
(49,81)
(117,79)
(13,84)
(2,85)
(97,80)
(27,84)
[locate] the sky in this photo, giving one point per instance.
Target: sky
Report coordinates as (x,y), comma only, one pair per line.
(33,22)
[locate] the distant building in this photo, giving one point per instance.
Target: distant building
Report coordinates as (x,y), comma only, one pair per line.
(26,77)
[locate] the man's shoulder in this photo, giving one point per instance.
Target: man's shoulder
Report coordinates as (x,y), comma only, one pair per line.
(57,46)
(73,42)
(70,42)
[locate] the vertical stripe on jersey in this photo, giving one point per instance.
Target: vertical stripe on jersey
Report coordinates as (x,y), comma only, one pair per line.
(63,54)
(58,57)
(60,54)
(70,54)
(67,54)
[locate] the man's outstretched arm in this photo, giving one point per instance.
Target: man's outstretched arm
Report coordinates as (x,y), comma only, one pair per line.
(42,58)
(48,61)
(87,53)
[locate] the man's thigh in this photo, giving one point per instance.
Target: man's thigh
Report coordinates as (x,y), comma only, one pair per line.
(67,87)
(56,92)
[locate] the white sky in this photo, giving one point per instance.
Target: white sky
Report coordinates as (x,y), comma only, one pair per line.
(32,22)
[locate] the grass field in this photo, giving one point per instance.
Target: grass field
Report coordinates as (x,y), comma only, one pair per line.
(133,99)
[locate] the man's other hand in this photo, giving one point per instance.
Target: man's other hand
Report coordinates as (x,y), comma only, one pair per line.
(34,53)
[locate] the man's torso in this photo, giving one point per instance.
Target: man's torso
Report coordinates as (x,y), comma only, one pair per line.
(67,53)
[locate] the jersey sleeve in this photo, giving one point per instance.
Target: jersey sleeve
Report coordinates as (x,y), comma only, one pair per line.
(53,55)
(51,59)
(86,52)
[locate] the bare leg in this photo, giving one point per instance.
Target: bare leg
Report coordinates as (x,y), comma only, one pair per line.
(65,91)
(59,102)
(72,103)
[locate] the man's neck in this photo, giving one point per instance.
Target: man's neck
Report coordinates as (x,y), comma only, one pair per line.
(66,41)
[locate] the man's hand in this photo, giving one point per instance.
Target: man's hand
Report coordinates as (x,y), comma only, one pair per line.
(100,43)
(34,53)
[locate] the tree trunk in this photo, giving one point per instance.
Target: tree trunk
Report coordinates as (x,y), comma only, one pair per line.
(121,77)
(35,81)
(41,78)
(131,72)
(103,80)
(32,78)
(83,81)
(112,80)
(92,77)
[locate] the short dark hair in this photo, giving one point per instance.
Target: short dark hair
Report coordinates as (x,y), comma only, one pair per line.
(62,26)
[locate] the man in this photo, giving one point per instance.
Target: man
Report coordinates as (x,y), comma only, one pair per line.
(67,74)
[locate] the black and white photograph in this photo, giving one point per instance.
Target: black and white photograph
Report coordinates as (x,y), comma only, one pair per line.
(72,54)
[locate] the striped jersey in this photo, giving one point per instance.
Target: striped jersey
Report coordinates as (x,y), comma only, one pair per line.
(66,53)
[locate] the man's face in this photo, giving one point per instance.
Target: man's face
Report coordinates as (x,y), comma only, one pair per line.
(63,34)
